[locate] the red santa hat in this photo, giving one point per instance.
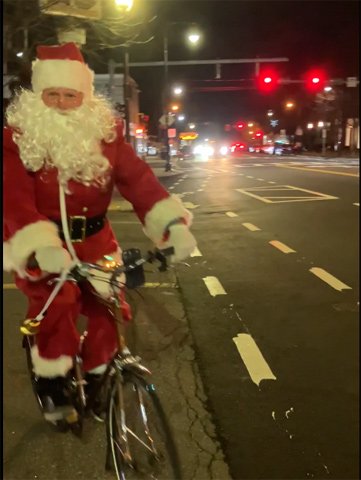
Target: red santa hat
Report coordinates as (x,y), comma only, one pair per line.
(62,66)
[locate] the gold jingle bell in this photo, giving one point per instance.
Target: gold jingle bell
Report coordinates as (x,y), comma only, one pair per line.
(30,327)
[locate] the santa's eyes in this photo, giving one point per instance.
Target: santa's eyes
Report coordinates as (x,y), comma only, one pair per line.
(69,96)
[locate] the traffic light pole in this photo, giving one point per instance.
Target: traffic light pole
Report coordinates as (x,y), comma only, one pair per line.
(168,165)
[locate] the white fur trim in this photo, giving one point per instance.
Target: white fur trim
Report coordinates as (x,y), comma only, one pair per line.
(162,213)
(63,74)
(46,367)
(8,264)
(25,241)
(99,369)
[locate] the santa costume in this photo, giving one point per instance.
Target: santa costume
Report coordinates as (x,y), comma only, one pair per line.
(86,152)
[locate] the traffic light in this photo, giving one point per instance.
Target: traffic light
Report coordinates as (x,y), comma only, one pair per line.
(267,80)
(315,80)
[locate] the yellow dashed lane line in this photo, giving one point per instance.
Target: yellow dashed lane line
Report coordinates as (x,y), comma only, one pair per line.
(320,171)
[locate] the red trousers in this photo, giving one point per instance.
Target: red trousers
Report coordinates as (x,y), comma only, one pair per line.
(58,335)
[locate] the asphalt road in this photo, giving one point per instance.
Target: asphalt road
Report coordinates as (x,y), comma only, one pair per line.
(265,335)
(303,423)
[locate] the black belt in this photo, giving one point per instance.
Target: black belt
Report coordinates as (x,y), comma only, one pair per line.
(81,227)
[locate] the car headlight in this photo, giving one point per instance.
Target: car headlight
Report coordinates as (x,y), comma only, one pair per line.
(223,150)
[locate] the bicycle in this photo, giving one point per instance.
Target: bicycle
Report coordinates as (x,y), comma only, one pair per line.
(139,440)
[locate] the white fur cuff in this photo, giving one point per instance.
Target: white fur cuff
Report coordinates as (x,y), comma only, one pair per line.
(46,367)
(162,213)
(25,241)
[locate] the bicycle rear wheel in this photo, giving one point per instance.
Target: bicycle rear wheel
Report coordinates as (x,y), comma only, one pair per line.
(139,439)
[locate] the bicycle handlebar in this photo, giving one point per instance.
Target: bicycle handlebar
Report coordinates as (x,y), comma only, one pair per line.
(133,262)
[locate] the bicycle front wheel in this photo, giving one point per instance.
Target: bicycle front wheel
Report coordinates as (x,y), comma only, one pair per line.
(139,438)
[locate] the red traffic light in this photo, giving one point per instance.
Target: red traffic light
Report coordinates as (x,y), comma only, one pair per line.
(267,80)
(315,80)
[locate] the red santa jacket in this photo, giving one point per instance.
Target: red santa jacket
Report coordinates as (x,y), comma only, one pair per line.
(31,199)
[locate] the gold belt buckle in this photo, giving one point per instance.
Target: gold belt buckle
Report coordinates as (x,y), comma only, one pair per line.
(72,221)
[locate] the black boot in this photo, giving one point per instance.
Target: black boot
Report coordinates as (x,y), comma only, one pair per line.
(92,386)
(55,401)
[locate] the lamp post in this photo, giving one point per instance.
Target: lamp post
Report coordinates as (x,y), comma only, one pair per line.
(193,38)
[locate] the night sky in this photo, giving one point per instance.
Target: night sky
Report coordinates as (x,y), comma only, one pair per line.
(311,34)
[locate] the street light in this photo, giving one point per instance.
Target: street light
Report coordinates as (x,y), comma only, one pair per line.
(181,118)
(193,38)
(310,126)
(269,114)
(127,4)
(191,126)
(177,91)
(174,107)
(289,105)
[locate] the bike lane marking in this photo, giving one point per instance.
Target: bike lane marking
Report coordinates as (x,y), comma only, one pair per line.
(196,253)
(253,359)
(281,246)
(214,286)
(329,279)
(251,227)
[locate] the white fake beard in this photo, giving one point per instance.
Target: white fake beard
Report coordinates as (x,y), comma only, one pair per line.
(69,141)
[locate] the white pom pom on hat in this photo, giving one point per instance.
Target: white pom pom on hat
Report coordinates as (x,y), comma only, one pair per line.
(62,66)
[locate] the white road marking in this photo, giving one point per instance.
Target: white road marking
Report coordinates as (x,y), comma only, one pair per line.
(271,182)
(261,179)
(249,176)
(200,190)
(268,198)
(357,204)
(214,286)
(171,188)
(329,279)
(253,359)
(231,214)
(281,246)
(190,205)
(251,227)
(196,253)
(241,174)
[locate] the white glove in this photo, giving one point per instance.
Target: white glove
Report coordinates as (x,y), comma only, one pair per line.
(53,259)
(183,242)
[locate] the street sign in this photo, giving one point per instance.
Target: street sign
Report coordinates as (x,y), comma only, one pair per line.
(351,82)
(188,135)
(172,132)
(171,120)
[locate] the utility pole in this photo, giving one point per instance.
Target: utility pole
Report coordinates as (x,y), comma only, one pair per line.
(168,165)
(126,90)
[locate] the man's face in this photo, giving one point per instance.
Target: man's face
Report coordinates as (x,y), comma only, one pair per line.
(62,98)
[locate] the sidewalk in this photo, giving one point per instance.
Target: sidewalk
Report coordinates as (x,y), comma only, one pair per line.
(157,164)
(343,156)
